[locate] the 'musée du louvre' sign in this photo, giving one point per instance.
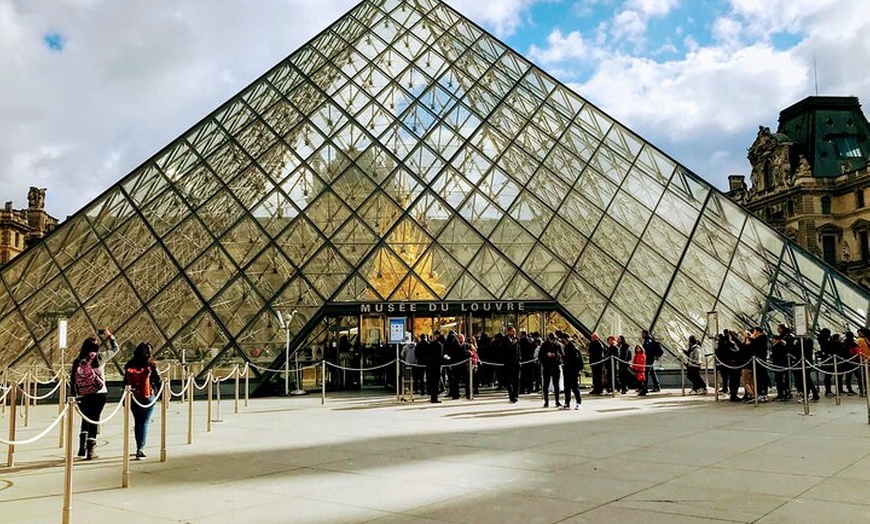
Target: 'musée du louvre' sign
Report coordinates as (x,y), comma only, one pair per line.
(436,308)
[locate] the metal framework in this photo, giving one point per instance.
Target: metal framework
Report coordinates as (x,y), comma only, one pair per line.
(404,154)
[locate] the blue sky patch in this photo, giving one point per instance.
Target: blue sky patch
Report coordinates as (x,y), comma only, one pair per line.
(54,41)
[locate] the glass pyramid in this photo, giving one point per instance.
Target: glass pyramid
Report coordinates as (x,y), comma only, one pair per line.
(404,154)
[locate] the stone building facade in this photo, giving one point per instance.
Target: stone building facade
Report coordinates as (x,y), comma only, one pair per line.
(21,228)
(809,180)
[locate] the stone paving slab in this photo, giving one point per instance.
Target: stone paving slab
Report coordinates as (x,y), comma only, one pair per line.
(366,458)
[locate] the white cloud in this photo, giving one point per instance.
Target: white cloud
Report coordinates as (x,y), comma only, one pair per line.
(629,25)
(504,16)
(705,108)
(561,48)
(651,8)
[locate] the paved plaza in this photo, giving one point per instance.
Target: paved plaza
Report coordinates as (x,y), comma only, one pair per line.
(367,458)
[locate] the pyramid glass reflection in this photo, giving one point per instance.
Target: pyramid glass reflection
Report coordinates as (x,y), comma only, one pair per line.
(404,155)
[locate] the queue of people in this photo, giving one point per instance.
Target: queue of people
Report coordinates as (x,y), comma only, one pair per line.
(792,360)
(525,363)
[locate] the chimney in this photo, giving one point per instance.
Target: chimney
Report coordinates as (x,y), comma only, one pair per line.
(736,183)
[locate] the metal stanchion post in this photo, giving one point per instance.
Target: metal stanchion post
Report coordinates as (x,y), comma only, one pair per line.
(836,381)
(804,379)
(5,383)
(68,460)
(13,419)
(683,379)
(715,379)
(612,377)
(470,379)
(706,370)
(190,408)
(127,398)
(398,375)
(323,382)
(247,383)
(164,407)
(61,405)
(208,410)
(24,400)
(236,393)
(755,381)
(866,368)
(217,384)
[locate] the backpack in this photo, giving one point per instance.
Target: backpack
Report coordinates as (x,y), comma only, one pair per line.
(86,379)
(655,350)
(139,380)
(573,357)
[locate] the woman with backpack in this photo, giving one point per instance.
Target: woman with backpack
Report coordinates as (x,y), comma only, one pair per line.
(140,373)
(88,384)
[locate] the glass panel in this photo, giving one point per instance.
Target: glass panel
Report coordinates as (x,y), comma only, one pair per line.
(549,272)
(629,212)
(614,239)
(54,300)
(236,305)
(327,271)
(514,242)
(153,270)
(599,268)
(91,273)
(68,243)
(651,268)
(637,300)
(582,300)
(27,273)
(492,270)
(129,241)
(666,240)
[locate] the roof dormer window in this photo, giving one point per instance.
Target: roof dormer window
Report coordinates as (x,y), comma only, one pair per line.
(847,146)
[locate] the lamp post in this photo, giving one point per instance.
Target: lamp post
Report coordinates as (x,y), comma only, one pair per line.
(285,321)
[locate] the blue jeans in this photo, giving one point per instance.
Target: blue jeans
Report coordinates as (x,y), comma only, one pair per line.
(141,418)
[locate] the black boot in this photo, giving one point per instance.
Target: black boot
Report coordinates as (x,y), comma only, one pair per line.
(83,437)
(91,444)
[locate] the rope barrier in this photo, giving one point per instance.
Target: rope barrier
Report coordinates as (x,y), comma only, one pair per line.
(42,397)
(49,381)
(231,375)
(454,364)
(110,417)
(153,401)
(183,389)
(288,370)
(602,361)
(205,383)
(37,437)
(336,366)
(773,367)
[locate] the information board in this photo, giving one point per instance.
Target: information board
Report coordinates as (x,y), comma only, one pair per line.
(397,330)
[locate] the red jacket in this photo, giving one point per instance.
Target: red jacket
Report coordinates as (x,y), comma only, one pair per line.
(638,365)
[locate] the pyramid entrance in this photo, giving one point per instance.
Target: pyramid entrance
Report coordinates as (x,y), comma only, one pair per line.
(404,155)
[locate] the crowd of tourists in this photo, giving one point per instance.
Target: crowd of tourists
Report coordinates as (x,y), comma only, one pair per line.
(525,363)
(749,364)
(746,360)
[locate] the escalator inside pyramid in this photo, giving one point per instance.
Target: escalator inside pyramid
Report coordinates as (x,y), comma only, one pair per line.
(404,163)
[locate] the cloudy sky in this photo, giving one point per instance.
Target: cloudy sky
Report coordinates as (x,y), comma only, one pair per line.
(92,88)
